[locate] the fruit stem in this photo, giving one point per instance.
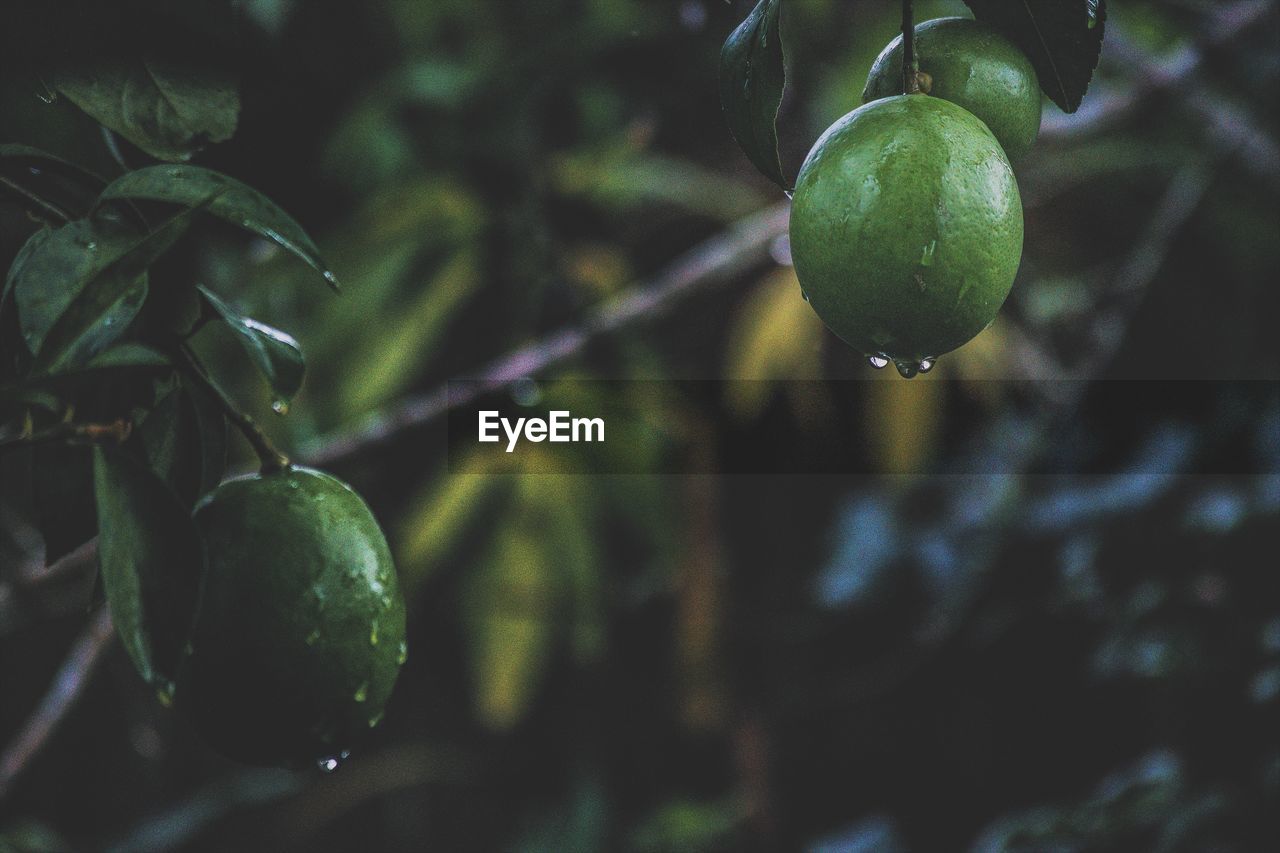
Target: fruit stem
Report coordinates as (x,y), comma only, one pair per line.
(271,459)
(910,64)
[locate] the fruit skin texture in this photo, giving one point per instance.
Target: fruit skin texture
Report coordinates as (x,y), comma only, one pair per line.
(972,65)
(906,227)
(300,631)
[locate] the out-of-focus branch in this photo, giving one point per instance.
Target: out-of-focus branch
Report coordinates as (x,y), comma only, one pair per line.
(1229,126)
(718,260)
(1150,73)
(68,685)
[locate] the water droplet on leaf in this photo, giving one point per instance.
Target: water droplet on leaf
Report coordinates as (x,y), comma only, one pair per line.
(362,692)
(280,407)
(907,369)
(404,653)
(879,362)
(926,364)
(373,633)
(313,637)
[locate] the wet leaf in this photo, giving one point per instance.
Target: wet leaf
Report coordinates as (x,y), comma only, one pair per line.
(752,77)
(1062,38)
(78,287)
(167,109)
(235,202)
(274,353)
(152,563)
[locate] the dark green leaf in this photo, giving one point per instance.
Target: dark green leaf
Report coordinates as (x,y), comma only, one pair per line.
(237,203)
(129,354)
(56,266)
(152,564)
(275,353)
(1062,38)
(167,109)
(183,441)
(211,427)
(752,76)
(79,288)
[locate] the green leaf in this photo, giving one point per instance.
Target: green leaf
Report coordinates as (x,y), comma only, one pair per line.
(211,430)
(274,353)
(514,608)
(1062,38)
(72,305)
(182,439)
(56,266)
(152,563)
(129,354)
(237,203)
(752,77)
(167,109)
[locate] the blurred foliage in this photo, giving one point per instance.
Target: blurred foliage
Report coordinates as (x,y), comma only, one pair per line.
(985,647)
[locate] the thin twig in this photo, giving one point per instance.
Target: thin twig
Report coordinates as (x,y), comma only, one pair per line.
(115,432)
(269,457)
(67,687)
(44,204)
(720,259)
(910,65)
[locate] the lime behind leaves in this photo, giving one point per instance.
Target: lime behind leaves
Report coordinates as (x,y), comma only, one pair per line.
(971,64)
(906,228)
(301,629)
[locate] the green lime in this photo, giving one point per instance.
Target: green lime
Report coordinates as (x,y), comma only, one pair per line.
(906,228)
(300,633)
(975,66)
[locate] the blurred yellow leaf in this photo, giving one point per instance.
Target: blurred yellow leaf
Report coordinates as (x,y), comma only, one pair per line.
(775,336)
(903,422)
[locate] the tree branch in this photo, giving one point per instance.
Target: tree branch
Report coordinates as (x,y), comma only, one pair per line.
(68,684)
(115,432)
(1229,127)
(720,259)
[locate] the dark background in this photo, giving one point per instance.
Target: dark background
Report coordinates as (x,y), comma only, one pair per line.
(1013,630)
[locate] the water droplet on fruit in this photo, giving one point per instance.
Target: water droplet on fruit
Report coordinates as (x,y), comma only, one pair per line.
(926,257)
(313,637)
(907,369)
(789,193)
(280,407)
(403,654)
(879,362)
(362,692)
